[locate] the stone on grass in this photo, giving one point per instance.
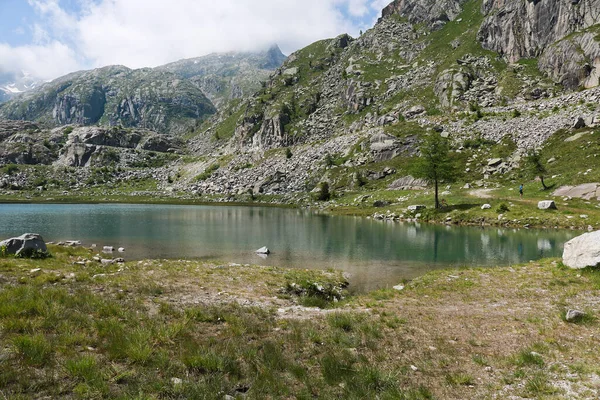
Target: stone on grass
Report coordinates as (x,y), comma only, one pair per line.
(574,315)
(547,205)
(582,251)
(23,244)
(263,250)
(416,207)
(486,206)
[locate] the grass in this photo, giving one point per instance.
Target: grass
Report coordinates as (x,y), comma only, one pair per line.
(210,330)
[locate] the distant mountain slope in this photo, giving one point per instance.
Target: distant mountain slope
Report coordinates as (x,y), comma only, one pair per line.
(170,98)
(226,76)
(114,95)
(14,84)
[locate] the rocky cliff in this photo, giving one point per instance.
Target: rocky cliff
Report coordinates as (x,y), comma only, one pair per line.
(561,33)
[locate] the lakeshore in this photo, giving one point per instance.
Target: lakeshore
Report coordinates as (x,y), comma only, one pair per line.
(177,329)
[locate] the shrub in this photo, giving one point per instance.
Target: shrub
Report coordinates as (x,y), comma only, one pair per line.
(323,193)
(502,208)
(207,172)
(11,169)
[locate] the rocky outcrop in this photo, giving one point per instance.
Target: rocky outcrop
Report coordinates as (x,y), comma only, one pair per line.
(434,12)
(583,251)
(24,245)
(519,29)
(93,146)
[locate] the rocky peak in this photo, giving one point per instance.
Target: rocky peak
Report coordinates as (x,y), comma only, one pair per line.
(274,58)
(434,12)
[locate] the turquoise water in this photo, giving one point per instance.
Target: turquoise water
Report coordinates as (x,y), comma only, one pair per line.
(376,254)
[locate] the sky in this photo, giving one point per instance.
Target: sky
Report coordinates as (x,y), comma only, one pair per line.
(50,38)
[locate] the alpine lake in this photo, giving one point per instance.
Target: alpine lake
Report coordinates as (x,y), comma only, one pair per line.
(375,254)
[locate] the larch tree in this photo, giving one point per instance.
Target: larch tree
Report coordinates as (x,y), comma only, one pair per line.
(435,163)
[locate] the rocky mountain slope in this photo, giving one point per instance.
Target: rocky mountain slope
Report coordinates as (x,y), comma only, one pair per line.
(497,78)
(226,76)
(114,96)
(352,108)
(167,99)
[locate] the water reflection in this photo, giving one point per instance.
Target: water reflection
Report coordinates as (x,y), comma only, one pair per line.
(378,254)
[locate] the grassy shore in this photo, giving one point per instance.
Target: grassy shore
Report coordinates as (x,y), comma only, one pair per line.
(464,205)
(187,329)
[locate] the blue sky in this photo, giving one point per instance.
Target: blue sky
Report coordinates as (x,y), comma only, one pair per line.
(49,38)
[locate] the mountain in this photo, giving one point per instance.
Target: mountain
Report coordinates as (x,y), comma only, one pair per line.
(354,108)
(13,84)
(227,76)
(498,78)
(170,98)
(115,95)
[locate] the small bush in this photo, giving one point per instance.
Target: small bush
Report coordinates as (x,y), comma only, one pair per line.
(502,208)
(323,193)
(11,169)
(516,113)
(207,173)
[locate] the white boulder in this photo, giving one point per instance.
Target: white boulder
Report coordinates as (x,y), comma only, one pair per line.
(486,206)
(263,250)
(547,205)
(582,251)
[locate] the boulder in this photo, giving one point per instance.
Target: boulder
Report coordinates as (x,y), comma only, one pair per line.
(574,315)
(108,249)
(579,123)
(493,162)
(416,207)
(547,205)
(486,207)
(263,250)
(23,244)
(408,183)
(582,251)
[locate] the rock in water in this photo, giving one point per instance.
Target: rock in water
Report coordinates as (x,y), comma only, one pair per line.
(263,250)
(547,205)
(23,244)
(582,251)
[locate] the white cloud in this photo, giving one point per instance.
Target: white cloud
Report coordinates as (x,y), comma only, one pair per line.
(147,33)
(141,33)
(43,61)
